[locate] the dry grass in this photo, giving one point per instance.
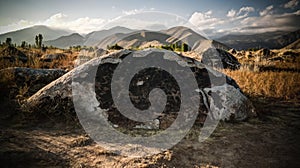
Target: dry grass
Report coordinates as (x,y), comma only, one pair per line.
(283,84)
(34,60)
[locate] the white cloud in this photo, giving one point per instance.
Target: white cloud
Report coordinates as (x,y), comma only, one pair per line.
(275,22)
(267,11)
(16,26)
(204,20)
(242,13)
(291,4)
(208,12)
(132,12)
(231,13)
(80,25)
(61,21)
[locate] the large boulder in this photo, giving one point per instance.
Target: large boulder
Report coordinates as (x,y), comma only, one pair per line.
(12,54)
(15,79)
(92,84)
(52,57)
(220,59)
(86,55)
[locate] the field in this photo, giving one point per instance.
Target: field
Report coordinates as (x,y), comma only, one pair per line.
(269,140)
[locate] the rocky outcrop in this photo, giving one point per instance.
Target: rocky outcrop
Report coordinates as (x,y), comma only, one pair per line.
(91,86)
(264,53)
(12,54)
(52,57)
(30,80)
(220,59)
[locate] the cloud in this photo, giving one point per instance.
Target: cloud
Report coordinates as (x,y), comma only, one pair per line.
(204,20)
(231,13)
(291,4)
(60,21)
(132,12)
(149,20)
(16,26)
(242,13)
(283,22)
(267,11)
(80,25)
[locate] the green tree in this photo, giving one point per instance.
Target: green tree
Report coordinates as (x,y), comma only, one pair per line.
(114,47)
(23,44)
(36,40)
(184,47)
(8,41)
(40,38)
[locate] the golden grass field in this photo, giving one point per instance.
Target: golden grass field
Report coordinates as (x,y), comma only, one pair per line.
(277,83)
(268,140)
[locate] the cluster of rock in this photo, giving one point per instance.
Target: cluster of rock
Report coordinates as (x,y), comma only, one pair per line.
(265,54)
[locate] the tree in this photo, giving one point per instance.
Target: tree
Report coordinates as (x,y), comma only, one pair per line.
(23,44)
(36,40)
(114,47)
(8,41)
(40,40)
(184,47)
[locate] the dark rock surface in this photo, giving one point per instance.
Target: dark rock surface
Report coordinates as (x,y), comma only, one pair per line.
(220,59)
(219,94)
(12,54)
(31,80)
(51,57)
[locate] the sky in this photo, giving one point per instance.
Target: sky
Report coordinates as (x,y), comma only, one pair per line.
(214,17)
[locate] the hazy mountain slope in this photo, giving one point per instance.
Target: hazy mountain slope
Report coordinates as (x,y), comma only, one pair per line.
(89,40)
(183,34)
(294,45)
(274,40)
(288,38)
(142,37)
(96,36)
(28,34)
(112,39)
(173,35)
(66,41)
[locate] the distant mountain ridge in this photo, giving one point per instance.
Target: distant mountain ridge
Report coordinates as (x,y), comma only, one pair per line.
(272,40)
(28,34)
(66,41)
(144,38)
(95,36)
(63,38)
(294,45)
(91,39)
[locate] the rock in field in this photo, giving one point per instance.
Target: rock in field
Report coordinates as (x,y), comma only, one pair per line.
(95,87)
(220,59)
(31,80)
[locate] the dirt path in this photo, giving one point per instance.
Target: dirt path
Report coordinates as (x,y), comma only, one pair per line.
(270,140)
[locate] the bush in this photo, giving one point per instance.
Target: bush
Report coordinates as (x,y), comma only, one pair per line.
(114,47)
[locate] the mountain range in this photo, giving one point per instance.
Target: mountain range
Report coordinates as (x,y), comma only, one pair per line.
(273,40)
(145,38)
(28,34)
(139,38)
